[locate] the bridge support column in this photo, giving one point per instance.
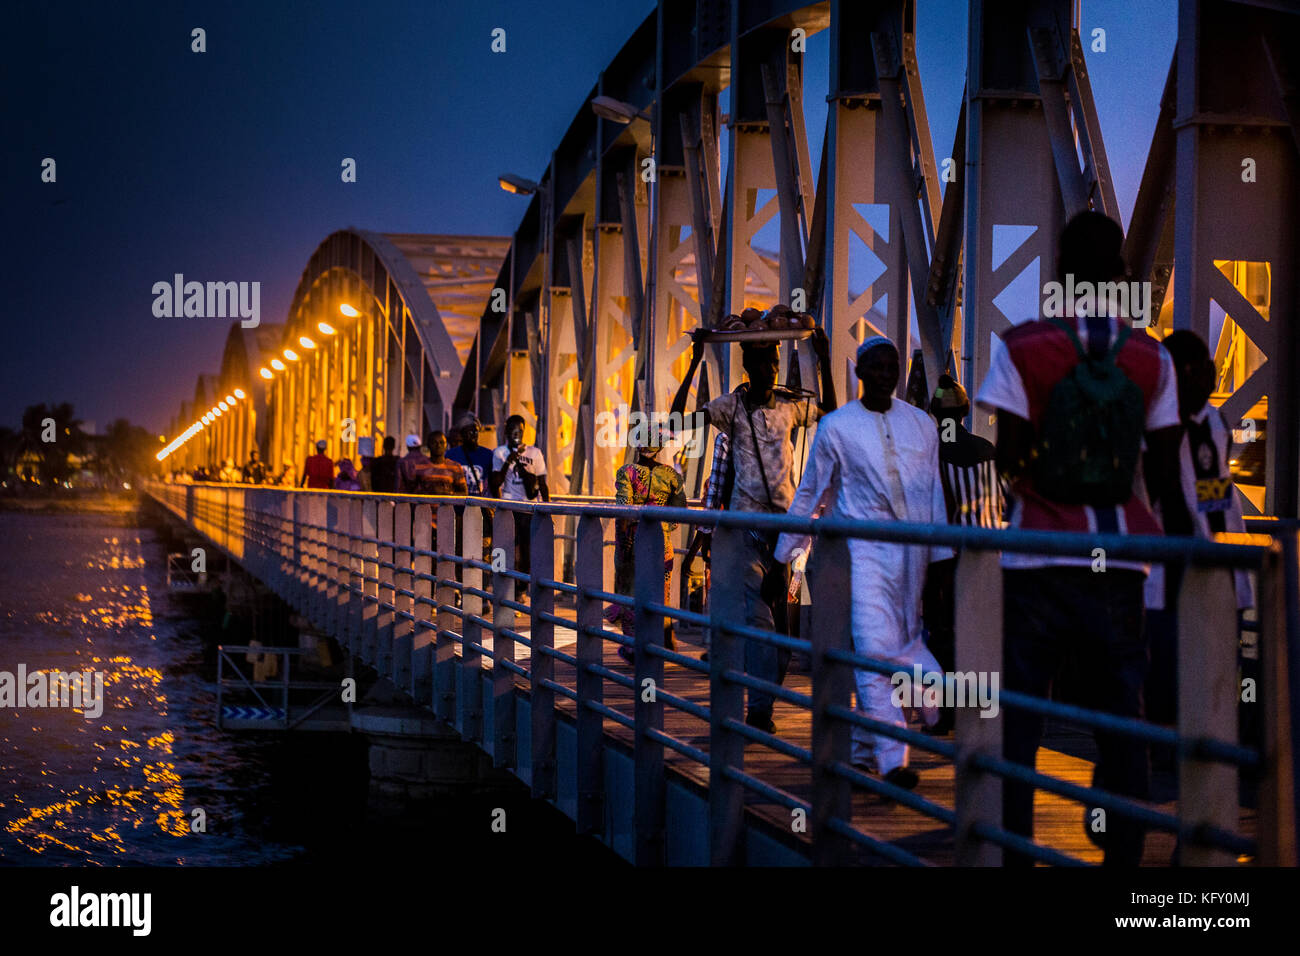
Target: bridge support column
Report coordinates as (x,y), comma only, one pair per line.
(415,756)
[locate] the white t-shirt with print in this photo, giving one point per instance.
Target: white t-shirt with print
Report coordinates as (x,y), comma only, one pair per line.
(530,456)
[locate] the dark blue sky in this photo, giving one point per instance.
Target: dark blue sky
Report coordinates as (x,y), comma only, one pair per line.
(225,165)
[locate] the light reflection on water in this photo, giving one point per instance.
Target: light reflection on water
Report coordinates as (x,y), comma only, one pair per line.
(76,594)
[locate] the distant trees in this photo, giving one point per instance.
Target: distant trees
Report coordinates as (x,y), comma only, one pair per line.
(51,447)
(124,451)
(51,435)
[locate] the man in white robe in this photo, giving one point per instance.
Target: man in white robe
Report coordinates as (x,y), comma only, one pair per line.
(878,460)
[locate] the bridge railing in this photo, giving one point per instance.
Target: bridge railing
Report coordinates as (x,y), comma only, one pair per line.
(428,613)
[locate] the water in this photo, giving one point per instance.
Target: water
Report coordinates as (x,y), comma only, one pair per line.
(82,592)
(88,591)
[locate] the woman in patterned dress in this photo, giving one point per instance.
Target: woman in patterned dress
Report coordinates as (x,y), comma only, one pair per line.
(642,482)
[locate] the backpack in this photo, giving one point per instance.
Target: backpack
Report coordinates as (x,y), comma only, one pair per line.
(1091,435)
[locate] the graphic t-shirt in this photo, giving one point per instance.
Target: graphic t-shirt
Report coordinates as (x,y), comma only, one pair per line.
(478,466)
(530,460)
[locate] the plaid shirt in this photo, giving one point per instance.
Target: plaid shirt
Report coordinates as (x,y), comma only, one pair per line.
(721,461)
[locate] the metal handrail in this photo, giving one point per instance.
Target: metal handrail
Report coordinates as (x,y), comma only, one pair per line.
(324,556)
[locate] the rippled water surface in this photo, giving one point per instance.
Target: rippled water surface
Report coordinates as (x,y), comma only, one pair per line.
(84,592)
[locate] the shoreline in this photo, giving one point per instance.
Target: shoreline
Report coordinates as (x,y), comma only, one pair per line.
(101,504)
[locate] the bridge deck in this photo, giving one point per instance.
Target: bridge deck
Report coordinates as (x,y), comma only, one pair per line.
(1057,822)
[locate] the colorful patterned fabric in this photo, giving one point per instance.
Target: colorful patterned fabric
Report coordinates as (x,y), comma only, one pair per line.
(638,484)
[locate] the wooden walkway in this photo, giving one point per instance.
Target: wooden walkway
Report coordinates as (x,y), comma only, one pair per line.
(1058,823)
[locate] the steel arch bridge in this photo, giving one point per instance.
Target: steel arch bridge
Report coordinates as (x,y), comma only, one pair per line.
(633,236)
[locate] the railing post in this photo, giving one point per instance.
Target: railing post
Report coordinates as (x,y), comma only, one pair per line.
(503,646)
(832,686)
(589,575)
(342,524)
(384,621)
(403,628)
(422,636)
(1209,693)
(726,699)
(469,693)
(648,752)
(319,553)
(977,795)
(1279,629)
(542,665)
(333,589)
(288,553)
(370,586)
(356,574)
(299,517)
(444,663)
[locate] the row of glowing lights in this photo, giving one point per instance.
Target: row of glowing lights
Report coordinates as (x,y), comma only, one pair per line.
(217,410)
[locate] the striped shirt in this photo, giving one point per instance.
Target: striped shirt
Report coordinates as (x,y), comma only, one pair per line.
(973,493)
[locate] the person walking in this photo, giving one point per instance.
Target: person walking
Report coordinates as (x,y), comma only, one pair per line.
(347,479)
(416,468)
(254,470)
(1075,397)
(445,477)
(1213,504)
(473,457)
(877,459)
(644,481)
(973,497)
(319,469)
(519,474)
(385,471)
(759,419)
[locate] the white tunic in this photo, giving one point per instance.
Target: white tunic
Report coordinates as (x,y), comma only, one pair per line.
(878,467)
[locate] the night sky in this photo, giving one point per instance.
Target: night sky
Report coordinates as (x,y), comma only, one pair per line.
(225,165)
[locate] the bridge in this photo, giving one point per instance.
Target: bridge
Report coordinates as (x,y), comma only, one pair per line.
(692,149)
(649,222)
(656,759)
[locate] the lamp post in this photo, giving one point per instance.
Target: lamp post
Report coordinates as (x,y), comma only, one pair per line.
(546,195)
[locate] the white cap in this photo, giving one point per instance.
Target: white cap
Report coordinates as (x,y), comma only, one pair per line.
(412,441)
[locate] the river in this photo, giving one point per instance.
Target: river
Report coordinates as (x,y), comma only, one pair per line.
(88,592)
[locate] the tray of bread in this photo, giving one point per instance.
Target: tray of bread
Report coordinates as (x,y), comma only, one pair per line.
(777,324)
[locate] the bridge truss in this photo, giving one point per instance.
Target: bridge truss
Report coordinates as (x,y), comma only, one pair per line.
(593,297)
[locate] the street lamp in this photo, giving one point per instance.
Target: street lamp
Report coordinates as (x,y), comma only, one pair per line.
(325,328)
(291,355)
(606,107)
(520,186)
(517,184)
(348,311)
(306,342)
(275,364)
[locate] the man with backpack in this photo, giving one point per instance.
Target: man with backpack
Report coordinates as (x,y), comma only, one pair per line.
(1075,398)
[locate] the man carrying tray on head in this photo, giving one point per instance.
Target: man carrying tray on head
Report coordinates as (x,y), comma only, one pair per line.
(758,419)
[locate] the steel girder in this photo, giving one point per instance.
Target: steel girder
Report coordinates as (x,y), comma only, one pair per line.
(1028,106)
(1226,234)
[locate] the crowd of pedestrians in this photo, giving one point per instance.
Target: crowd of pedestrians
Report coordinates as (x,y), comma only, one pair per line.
(1099,428)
